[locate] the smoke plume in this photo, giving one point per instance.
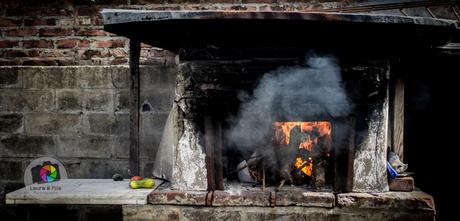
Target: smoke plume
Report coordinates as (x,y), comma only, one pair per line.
(311,89)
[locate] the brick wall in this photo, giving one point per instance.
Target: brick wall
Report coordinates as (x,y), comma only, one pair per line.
(70,32)
(64,34)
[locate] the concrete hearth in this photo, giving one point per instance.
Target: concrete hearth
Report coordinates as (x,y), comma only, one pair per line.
(235,203)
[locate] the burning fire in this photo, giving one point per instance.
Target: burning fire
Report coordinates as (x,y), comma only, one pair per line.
(313,133)
(312,130)
(303,165)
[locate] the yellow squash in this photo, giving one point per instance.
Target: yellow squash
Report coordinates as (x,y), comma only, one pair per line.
(147,183)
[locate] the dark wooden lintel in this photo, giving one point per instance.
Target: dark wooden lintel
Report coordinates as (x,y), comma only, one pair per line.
(218,157)
(209,146)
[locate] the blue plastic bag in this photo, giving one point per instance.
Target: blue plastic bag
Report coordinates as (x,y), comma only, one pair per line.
(391,171)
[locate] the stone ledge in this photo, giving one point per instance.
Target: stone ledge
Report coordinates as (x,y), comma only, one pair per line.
(82,191)
(416,200)
(238,195)
(177,197)
(299,197)
(106,191)
(241,198)
(236,213)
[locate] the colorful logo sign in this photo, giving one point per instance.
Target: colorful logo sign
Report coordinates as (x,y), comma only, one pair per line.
(45,173)
(48,173)
(44,177)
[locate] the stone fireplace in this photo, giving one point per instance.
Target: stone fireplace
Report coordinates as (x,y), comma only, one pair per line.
(277,108)
(240,110)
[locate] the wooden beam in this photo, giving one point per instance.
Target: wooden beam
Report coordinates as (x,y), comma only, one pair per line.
(336,161)
(351,155)
(209,145)
(134,92)
(398,118)
(218,157)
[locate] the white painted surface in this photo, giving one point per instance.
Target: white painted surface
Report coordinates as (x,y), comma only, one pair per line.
(189,171)
(83,191)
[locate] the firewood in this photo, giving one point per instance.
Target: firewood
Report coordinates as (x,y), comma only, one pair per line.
(287,154)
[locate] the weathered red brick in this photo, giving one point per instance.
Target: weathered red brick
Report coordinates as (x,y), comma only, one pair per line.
(90,32)
(97,21)
(401,184)
(119,61)
(102,44)
(198,1)
(37,44)
(51,11)
(52,53)
(83,21)
(83,43)
(282,8)
(39,21)
(67,43)
(143,2)
(46,53)
(109,43)
(6,22)
(88,54)
(265,8)
(117,53)
(8,44)
(10,62)
(66,61)
(22,10)
(40,62)
(16,53)
(65,21)
(145,45)
(33,53)
(21,32)
(259,1)
(48,32)
(14,11)
(87,11)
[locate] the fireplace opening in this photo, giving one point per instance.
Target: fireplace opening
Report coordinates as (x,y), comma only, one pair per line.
(301,156)
(276,122)
(299,153)
(311,144)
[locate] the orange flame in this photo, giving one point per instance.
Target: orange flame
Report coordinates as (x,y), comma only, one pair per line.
(305,166)
(321,128)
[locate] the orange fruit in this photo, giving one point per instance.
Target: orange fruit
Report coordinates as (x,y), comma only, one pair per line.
(135,178)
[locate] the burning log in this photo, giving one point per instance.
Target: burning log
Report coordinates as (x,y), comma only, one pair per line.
(286,156)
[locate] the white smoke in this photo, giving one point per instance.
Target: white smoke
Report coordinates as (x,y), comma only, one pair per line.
(284,93)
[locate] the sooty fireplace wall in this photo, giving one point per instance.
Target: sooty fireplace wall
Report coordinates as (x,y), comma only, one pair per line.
(304,98)
(245,108)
